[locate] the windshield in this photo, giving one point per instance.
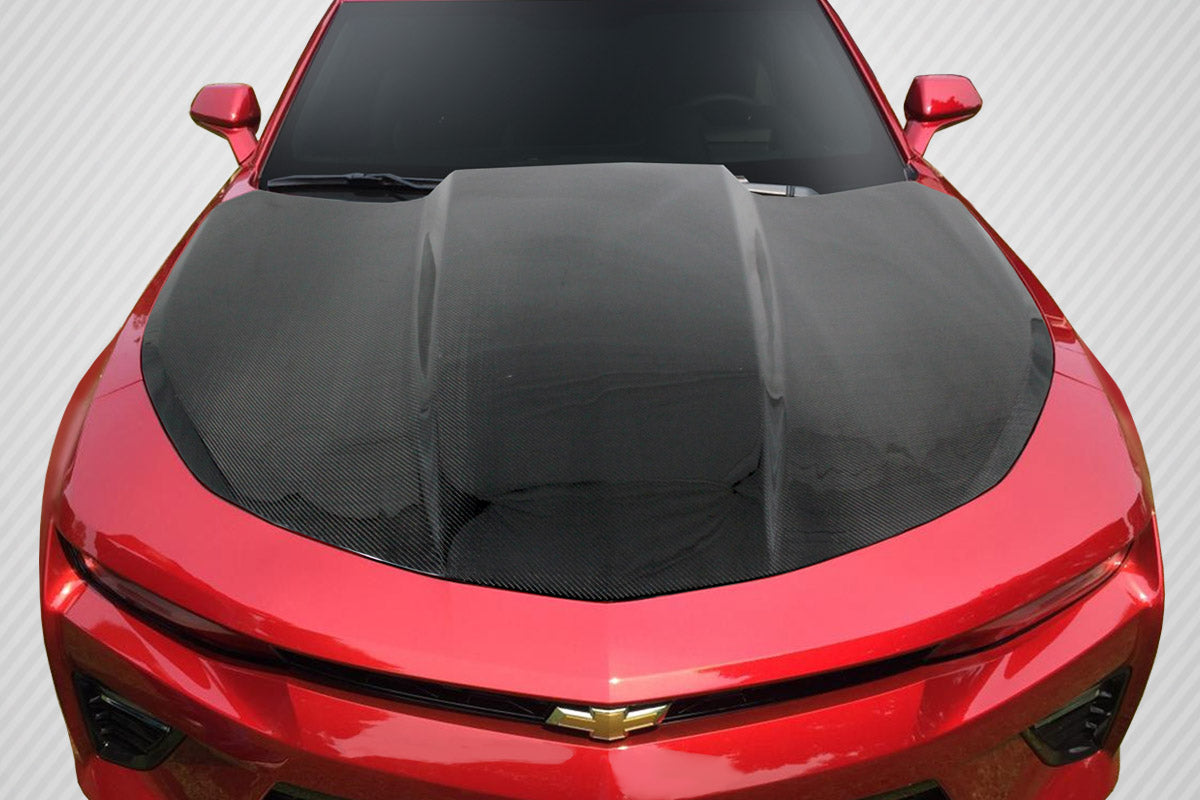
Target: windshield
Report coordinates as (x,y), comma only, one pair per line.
(424,88)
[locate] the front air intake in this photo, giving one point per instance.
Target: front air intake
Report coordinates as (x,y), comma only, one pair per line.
(121,732)
(926,791)
(282,792)
(1079,730)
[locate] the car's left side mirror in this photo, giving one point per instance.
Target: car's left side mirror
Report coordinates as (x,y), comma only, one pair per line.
(935,102)
(230,110)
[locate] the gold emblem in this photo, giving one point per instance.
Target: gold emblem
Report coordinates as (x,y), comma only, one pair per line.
(608,724)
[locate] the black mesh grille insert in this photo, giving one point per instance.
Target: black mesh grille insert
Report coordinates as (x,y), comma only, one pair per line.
(810,686)
(926,791)
(1079,730)
(425,693)
(121,732)
(283,792)
(536,710)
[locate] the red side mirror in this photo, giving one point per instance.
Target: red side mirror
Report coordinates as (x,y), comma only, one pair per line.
(230,110)
(935,102)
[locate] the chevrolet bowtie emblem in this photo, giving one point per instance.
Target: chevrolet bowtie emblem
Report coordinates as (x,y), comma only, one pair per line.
(608,724)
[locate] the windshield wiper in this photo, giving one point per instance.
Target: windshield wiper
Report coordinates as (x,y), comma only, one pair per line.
(777,189)
(377,181)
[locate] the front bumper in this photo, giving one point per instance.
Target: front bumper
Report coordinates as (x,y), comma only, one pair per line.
(249,729)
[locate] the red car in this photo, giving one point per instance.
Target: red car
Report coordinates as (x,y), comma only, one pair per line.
(586,399)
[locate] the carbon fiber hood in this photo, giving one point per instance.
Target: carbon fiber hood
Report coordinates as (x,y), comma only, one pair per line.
(598,382)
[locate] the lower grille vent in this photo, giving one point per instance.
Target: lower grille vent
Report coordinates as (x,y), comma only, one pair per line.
(1079,730)
(292,793)
(121,732)
(926,791)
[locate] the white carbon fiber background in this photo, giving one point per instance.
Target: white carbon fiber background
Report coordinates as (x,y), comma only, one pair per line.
(1085,159)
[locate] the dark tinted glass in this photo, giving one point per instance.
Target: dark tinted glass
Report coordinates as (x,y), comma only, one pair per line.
(421,89)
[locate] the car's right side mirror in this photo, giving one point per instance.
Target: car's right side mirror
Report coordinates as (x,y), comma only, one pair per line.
(935,102)
(230,110)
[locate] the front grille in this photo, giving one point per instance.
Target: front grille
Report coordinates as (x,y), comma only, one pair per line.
(121,732)
(523,708)
(425,693)
(926,791)
(798,689)
(1079,730)
(537,710)
(283,792)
